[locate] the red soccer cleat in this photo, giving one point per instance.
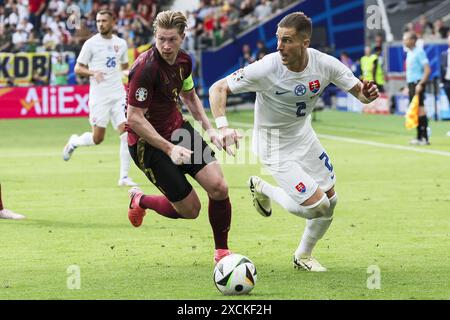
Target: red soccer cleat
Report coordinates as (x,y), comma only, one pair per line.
(136,214)
(221,253)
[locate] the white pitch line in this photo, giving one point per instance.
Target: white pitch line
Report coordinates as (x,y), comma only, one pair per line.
(368,143)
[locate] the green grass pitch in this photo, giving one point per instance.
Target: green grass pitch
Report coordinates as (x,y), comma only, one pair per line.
(393,213)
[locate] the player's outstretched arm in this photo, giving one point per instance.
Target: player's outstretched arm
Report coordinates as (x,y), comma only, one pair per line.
(137,122)
(366,91)
(218,94)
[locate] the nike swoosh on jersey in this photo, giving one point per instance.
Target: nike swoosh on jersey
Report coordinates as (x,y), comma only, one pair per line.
(278,93)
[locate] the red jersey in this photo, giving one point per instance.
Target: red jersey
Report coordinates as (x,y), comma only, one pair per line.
(155,85)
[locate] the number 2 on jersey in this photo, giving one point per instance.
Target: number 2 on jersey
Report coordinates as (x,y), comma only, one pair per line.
(110,62)
(327,161)
(301,106)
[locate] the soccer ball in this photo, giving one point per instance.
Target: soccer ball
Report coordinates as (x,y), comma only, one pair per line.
(235,274)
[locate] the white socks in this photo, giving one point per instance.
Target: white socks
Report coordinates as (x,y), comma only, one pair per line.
(283,199)
(314,231)
(125,157)
(86,139)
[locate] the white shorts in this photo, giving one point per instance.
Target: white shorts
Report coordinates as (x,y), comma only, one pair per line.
(102,110)
(306,169)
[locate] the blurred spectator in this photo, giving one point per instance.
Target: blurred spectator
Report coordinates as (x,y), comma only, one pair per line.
(367,62)
(13,16)
(232,28)
(5,38)
(247,8)
(189,41)
(85,7)
(417,73)
(82,33)
(263,10)
(261,50)
(25,25)
(60,70)
(50,40)
(246,57)
(345,59)
(19,40)
(36,8)
(445,69)
(440,30)
(145,17)
(423,28)
(57,7)
(379,40)
(22,9)
(2,15)
(378,69)
(65,36)
(33,42)
(37,80)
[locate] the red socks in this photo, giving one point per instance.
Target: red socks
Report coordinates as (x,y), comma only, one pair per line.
(220,219)
(160,204)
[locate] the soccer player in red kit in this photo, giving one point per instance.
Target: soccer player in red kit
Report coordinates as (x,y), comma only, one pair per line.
(164,145)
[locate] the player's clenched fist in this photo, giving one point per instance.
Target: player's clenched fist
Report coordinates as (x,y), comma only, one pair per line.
(370,90)
(180,155)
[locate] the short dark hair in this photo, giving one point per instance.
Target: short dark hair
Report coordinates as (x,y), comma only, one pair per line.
(299,21)
(105,11)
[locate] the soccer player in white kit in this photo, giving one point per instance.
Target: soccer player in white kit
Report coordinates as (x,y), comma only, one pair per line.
(104,58)
(287,85)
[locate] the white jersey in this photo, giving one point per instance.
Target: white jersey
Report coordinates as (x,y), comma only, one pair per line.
(285,99)
(106,55)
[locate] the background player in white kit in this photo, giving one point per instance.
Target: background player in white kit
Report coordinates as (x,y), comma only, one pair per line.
(287,86)
(104,58)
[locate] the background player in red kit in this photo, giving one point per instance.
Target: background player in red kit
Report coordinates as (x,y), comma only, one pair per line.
(165,146)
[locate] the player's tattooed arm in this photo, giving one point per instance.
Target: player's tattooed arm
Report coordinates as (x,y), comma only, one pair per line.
(366,91)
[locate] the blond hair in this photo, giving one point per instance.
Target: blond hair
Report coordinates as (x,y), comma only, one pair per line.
(299,21)
(170,19)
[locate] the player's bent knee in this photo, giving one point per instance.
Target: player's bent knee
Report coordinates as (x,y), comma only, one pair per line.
(333,202)
(219,191)
(318,209)
(192,212)
(98,140)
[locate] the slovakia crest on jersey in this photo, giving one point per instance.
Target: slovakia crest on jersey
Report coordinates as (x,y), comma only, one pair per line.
(314,86)
(301,187)
(116,48)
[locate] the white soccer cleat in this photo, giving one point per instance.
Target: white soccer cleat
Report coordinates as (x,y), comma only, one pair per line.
(8,214)
(69,148)
(126,181)
(308,264)
(261,202)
